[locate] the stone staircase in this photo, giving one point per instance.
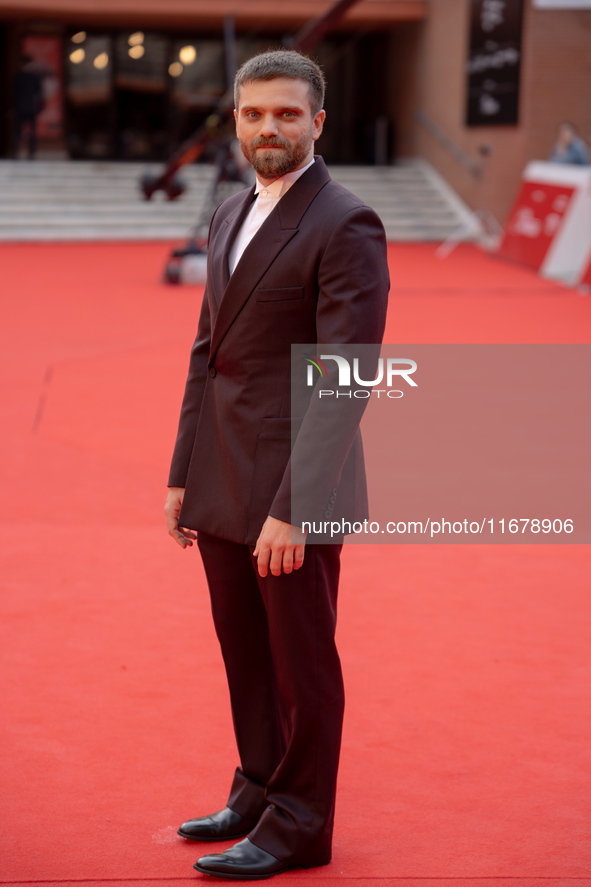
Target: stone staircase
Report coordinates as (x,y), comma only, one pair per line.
(413,201)
(85,200)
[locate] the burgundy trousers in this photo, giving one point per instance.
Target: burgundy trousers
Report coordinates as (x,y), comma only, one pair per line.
(286,690)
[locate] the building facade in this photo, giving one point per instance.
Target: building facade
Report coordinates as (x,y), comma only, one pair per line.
(477,87)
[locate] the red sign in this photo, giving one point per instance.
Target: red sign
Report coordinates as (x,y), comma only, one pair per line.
(534,222)
(46,53)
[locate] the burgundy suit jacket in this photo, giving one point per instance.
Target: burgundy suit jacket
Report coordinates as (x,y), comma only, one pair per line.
(315,272)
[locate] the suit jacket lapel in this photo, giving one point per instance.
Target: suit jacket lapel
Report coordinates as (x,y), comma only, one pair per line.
(275,232)
(220,248)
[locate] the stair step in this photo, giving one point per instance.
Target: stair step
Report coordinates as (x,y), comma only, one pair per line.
(88,200)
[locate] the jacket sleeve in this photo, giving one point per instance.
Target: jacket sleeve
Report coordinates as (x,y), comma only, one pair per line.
(192,400)
(353,284)
(194,388)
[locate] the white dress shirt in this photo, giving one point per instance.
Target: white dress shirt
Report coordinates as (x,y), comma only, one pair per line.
(268,196)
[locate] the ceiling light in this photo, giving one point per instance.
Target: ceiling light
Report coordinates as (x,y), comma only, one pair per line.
(77,56)
(187,55)
(101,61)
(175,70)
(136,52)
(136,38)
(80,37)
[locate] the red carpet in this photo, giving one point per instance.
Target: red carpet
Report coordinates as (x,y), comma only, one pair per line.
(466,750)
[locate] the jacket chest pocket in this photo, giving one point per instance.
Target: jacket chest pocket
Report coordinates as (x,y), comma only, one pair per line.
(281,294)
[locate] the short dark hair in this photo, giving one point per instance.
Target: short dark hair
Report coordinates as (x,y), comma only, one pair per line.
(283,63)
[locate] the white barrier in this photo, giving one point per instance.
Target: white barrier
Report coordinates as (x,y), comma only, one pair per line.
(549,227)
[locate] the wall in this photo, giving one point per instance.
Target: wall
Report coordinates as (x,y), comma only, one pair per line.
(427,67)
(559,88)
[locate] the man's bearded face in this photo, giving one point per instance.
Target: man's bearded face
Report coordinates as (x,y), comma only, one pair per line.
(282,157)
(275,125)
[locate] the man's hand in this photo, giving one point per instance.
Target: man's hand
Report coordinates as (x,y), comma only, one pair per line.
(276,542)
(172,509)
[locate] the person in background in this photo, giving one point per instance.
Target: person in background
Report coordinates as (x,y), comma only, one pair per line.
(569,147)
(27,102)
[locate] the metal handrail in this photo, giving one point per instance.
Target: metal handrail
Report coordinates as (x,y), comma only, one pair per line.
(471,165)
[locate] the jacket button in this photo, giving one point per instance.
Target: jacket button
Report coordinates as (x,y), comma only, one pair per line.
(328,514)
(213,372)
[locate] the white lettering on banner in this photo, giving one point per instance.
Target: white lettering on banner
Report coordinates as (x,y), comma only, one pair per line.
(493,61)
(526,223)
(552,223)
(492,13)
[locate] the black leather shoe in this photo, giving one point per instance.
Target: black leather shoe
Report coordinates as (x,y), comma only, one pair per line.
(226,825)
(242,862)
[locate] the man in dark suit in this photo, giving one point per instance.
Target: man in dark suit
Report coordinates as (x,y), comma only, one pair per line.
(295,259)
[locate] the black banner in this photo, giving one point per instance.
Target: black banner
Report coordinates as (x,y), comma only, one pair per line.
(493,62)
